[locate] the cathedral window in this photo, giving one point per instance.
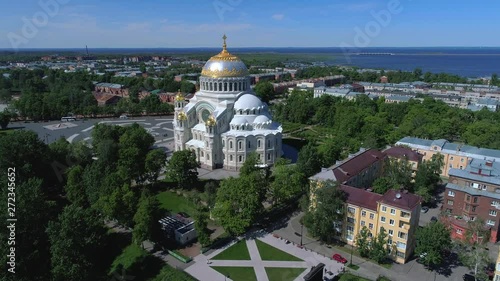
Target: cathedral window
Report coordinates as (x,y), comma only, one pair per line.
(230,86)
(215,89)
(269,143)
(208,156)
(220,86)
(249,145)
(211,87)
(258,143)
(225,86)
(269,156)
(240,158)
(231,144)
(231,158)
(239,145)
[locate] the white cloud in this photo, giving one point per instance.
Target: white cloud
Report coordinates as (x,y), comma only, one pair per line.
(278,17)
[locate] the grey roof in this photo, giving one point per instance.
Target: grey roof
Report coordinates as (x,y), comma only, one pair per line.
(473,191)
(487,102)
(452,148)
(479,170)
(109,85)
(402,98)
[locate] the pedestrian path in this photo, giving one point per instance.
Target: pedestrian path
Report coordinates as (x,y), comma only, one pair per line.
(201,269)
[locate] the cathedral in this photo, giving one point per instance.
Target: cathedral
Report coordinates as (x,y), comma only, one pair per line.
(225,120)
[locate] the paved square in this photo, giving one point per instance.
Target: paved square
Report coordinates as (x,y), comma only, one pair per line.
(202,270)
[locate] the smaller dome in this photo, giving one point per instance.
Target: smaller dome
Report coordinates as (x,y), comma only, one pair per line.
(248,101)
(261,119)
(239,120)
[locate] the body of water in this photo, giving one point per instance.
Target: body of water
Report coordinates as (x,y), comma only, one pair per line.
(464,61)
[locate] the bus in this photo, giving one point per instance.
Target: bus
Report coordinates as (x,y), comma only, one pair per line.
(68,119)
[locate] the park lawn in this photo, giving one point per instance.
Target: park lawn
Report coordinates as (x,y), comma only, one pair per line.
(351,277)
(237,273)
(175,203)
(283,274)
(128,257)
(170,273)
(270,253)
(238,251)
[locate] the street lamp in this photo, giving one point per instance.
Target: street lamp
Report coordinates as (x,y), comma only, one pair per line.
(301,231)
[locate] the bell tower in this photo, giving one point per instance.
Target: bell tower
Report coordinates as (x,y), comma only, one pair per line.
(181,128)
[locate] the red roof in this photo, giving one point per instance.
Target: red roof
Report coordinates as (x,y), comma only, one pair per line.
(356,164)
(403,152)
(406,201)
(361,197)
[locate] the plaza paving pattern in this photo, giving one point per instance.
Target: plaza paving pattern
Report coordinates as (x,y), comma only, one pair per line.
(201,269)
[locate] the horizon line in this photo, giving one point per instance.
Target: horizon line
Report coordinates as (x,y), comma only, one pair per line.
(260,47)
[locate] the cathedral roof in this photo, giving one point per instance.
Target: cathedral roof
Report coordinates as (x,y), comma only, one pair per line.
(248,101)
(224,64)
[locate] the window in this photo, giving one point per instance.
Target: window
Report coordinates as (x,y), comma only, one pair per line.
(461,168)
(372,216)
(401,245)
(230,157)
(490,222)
(458,231)
(405,214)
(240,158)
(402,235)
(475,199)
(389,241)
(363,213)
(239,145)
(230,144)
(467,197)
(391,222)
(384,209)
(370,226)
(382,219)
(450,202)
(269,156)
(451,157)
(393,211)
(391,232)
(466,207)
(451,193)
(461,160)
(362,223)
(473,209)
(400,254)
(258,143)
(249,145)
(351,210)
(493,213)
(494,203)
(350,220)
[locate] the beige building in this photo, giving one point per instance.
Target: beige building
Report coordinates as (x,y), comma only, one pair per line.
(455,155)
(497,269)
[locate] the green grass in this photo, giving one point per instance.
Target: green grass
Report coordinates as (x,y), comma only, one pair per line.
(270,253)
(128,257)
(237,273)
(351,277)
(170,273)
(353,266)
(175,203)
(238,251)
(283,274)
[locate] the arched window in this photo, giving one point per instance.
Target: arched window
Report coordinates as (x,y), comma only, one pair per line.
(268,143)
(258,143)
(240,86)
(231,144)
(249,145)
(240,145)
(225,86)
(211,87)
(215,89)
(220,86)
(230,87)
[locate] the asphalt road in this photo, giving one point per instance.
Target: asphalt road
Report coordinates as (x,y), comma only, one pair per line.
(161,128)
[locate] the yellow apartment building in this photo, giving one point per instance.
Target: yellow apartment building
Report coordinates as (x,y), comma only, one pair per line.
(397,212)
(455,155)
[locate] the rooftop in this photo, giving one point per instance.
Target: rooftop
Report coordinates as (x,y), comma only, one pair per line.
(402,153)
(406,201)
(479,170)
(361,197)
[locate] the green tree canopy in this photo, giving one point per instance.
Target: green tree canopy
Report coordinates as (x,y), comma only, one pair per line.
(432,240)
(182,168)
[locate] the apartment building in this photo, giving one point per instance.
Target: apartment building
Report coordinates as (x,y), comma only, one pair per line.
(397,212)
(497,269)
(456,156)
(473,193)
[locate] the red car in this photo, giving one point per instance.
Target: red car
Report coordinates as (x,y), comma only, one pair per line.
(339,258)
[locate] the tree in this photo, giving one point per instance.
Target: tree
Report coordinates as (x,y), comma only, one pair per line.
(156,160)
(145,219)
(119,201)
(4,119)
(264,90)
(432,240)
(378,248)
(363,242)
(75,189)
(76,240)
(472,252)
(309,160)
(182,168)
(238,203)
(200,224)
(325,219)
(287,182)
(382,185)
(427,176)
(33,212)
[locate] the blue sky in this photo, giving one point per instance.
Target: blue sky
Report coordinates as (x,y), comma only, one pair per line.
(248,23)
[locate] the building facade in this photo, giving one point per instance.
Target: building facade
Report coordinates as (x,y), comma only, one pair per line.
(473,193)
(456,156)
(225,121)
(397,212)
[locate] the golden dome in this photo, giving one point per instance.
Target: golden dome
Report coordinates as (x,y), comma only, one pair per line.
(181,116)
(211,121)
(224,64)
(179,96)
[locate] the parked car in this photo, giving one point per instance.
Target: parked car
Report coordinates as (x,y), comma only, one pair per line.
(339,258)
(424,209)
(468,277)
(434,219)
